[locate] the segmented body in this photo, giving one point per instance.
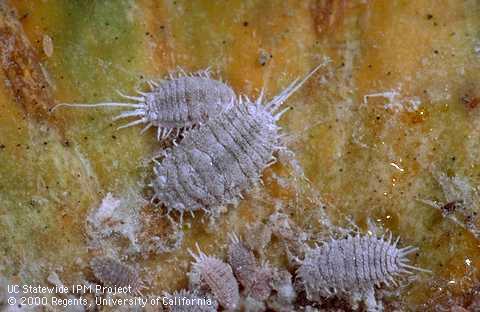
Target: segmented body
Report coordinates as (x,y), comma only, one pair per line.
(111,272)
(219,277)
(175,104)
(186,101)
(225,157)
(255,279)
(355,263)
(243,261)
(261,288)
(216,162)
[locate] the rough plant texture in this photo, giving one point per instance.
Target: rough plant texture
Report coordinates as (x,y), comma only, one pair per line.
(354,263)
(112,220)
(364,158)
(461,202)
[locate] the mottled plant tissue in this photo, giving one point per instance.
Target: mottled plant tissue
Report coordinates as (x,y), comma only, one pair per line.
(384,125)
(460,203)
(115,216)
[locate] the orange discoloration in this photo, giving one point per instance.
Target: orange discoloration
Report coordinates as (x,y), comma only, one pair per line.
(158,37)
(155,223)
(327,15)
(470,102)
(422,50)
(414,118)
(20,63)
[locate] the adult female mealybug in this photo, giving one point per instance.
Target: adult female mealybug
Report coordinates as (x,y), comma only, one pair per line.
(177,103)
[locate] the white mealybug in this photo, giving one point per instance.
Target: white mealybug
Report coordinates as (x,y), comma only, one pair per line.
(354,263)
(178,103)
(255,279)
(219,277)
(226,156)
(242,260)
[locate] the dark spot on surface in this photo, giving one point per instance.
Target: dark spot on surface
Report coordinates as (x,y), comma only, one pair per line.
(450,207)
(435,51)
(45,143)
(245,24)
(470,102)
(114,137)
(2,146)
(162,27)
(429,16)
(264,57)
